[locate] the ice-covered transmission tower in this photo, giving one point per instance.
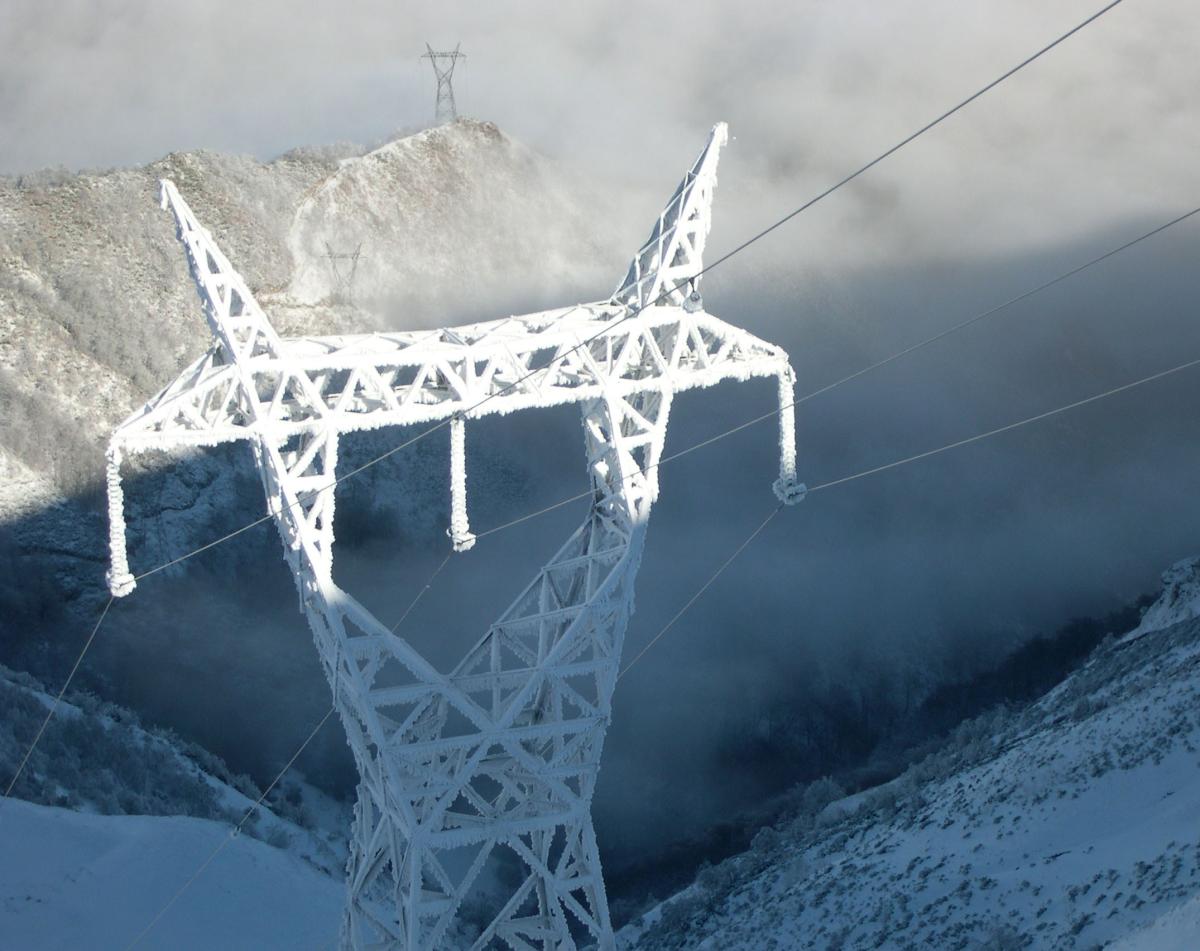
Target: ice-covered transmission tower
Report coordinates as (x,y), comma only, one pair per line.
(498,758)
(443,63)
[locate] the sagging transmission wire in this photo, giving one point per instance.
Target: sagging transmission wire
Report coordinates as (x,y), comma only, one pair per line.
(897,463)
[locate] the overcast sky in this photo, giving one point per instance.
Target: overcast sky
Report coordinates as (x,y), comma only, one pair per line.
(1091,144)
(1098,129)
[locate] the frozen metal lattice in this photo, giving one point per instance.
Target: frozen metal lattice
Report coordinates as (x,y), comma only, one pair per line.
(500,754)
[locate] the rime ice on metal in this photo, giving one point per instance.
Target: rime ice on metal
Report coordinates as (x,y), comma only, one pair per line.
(500,754)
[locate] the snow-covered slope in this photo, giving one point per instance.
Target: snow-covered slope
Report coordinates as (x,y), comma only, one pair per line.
(1175,930)
(440,219)
(97,310)
(1068,824)
(146,810)
(70,881)
(96,757)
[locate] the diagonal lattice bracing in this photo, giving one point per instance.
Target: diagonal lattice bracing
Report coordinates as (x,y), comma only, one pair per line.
(443,63)
(494,763)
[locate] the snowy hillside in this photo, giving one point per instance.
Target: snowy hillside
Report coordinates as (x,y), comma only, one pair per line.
(96,757)
(441,218)
(146,808)
(1180,599)
(1068,824)
(97,310)
(70,880)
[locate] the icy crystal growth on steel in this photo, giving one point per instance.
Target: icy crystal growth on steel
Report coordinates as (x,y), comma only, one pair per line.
(501,753)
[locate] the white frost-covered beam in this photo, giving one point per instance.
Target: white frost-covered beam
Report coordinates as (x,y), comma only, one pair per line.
(209,403)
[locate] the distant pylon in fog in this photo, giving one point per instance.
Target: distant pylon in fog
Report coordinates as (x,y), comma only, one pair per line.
(344,268)
(445,110)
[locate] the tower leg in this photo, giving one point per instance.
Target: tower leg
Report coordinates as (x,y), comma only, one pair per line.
(500,757)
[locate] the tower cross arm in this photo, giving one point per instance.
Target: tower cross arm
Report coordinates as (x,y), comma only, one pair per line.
(359,382)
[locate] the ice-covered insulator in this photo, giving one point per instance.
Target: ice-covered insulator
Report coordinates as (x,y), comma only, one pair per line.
(460,528)
(120,580)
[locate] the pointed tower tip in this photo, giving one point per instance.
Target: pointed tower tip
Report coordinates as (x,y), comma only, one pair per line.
(666,268)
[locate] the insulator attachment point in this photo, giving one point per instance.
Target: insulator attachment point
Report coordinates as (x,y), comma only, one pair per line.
(789,493)
(461,542)
(120,585)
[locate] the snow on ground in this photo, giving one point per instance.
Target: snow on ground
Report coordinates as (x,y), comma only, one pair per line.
(1069,824)
(76,765)
(95,875)
(71,881)
(420,208)
(1177,930)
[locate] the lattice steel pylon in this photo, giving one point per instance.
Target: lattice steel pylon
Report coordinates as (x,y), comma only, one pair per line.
(501,754)
(343,268)
(445,110)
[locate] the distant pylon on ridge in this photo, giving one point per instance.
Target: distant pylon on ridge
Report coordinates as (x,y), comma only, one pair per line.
(445,110)
(343,277)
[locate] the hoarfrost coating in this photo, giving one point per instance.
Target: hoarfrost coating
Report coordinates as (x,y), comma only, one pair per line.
(500,756)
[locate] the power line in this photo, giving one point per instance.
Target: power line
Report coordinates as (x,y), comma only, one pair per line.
(58,699)
(921,131)
(233,833)
(420,594)
(895,465)
(704,587)
(1006,428)
(999,307)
